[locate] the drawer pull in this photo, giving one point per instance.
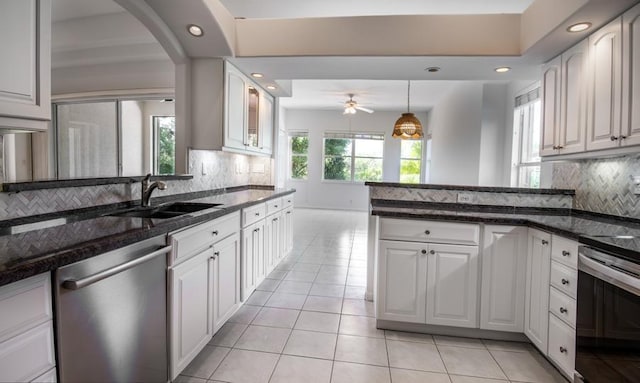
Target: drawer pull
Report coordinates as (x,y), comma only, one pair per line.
(288,201)
(217,253)
(256,230)
(563,350)
(275,206)
(215,232)
(275,219)
(432,252)
(424,251)
(427,232)
(565,253)
(545,242)
(563,310)
(257,214)
(565,281)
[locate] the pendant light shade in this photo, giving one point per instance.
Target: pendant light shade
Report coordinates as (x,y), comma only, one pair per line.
(408,127)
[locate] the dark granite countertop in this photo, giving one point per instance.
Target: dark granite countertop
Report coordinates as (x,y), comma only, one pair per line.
(587,228)
(36,251)
(488,189)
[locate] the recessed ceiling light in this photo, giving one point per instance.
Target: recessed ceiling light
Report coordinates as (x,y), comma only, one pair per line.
(257,75)
(432,69)
(195,30)
(271,87)
(579,27)
(503,69)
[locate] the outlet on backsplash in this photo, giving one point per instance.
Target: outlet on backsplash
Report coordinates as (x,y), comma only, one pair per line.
(465,198)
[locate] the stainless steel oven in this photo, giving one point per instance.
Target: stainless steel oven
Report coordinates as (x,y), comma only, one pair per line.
(608,318)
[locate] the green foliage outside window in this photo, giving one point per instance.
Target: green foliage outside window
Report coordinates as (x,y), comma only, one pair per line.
(337,161)
(347,159)
(299,159)
(165,144)
(410,161)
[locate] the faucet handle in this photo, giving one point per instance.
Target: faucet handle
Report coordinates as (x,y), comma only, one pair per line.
(161,185)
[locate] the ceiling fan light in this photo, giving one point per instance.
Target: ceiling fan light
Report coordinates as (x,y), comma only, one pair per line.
(408,127)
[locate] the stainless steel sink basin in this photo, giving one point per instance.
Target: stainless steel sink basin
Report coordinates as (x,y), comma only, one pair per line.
(169,210)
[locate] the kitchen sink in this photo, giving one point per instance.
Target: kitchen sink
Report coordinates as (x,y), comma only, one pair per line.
(169,210)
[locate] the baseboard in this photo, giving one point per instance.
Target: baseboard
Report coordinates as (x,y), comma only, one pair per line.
(451,331)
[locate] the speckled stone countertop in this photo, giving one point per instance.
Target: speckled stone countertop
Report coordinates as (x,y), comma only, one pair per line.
(587,228)
(36,251)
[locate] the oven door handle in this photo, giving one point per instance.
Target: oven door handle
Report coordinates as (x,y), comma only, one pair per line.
(617,278)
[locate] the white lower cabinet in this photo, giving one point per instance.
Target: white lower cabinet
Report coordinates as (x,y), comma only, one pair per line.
(562,345)
(191,309)
(287,231)
(424,282)
(402,281)
(536,314)
(226,279)
(452,283)
(273,241)
(253,264)
(504,258)
(26,330)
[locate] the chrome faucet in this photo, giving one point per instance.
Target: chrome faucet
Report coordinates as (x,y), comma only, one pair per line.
(147,189)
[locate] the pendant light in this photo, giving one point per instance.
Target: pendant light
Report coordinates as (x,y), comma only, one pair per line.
(408,127)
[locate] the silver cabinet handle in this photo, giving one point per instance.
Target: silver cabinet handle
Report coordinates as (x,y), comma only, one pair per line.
(424,251)
(432,252)
(563,350)
(614,138)
(275,219)
(256,230)
(563,310)
(565,253)
(565,281)
(545,242)
(215,232)
(427,232)
(76,284)
(623,137)
(257,214)
(275,206)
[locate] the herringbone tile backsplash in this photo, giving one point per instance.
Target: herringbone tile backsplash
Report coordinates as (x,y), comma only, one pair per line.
(222,170)
(601,185)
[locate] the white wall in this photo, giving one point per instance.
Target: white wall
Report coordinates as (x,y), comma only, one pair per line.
(132,138)
(493,135)
(341,195)
(456,127)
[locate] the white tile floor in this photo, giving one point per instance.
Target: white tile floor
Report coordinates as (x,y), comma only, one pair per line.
(308,322)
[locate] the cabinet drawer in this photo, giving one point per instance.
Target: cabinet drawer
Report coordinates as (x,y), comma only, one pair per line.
(253,214)
(429,231)
(563,306)
(189,242)
(287,201)
(562,345)
(28,355)
(564,251)
(274,205)
(564,279)
(24,304)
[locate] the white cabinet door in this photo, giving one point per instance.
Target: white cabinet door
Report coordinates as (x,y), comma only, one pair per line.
(536,314)
(402,281)
(452,285)
(504,258)
(573,113)
(605,82)
(191,309)
(253,265)
(631,76)
(226,280)
(266,124)
(551,88)
(25,68)
(273,241)
(235,109)
(287,231)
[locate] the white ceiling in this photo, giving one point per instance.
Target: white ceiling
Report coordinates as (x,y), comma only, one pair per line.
(277,9)
(73,9)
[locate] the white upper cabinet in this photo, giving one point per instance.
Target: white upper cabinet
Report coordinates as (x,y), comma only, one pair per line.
(25,68)
(248,122)
(550,106)
(573,91)
(631,76)
(605,83)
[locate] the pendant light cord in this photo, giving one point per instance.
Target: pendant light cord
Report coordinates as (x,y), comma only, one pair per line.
(408,94)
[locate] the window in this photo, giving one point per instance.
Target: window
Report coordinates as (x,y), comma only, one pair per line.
(299,149)
(526,140)
(164,144)
(355,157)
(410,161)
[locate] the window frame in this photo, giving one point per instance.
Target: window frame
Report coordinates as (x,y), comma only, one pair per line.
(290,135)
(352,137)
(524,107)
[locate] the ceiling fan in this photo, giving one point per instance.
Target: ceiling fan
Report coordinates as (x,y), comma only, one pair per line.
(351,106)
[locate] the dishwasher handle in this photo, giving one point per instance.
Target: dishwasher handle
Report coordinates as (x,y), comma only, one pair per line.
(76,284)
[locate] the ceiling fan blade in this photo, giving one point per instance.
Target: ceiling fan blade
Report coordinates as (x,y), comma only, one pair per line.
(362,108)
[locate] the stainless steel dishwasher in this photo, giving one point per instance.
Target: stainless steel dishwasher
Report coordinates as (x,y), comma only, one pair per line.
(111,316)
